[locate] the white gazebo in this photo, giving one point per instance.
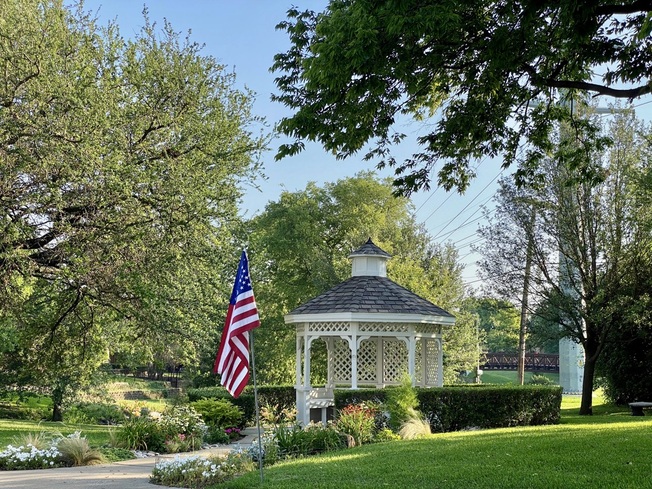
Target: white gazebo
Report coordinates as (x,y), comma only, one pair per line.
(374,331)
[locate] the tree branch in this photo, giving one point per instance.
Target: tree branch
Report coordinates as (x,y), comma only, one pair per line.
(629,93)
(622,9)
(551,82)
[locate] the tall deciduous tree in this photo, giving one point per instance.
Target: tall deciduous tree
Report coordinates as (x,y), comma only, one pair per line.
(492,69)
(120,169)
(588,241)
(498,320)
(299,249)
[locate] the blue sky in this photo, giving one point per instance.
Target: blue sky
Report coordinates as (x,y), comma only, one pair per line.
(241,34)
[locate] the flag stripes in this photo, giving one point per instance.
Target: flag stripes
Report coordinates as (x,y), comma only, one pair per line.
(232,360)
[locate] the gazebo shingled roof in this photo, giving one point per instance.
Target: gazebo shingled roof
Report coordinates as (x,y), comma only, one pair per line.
(370,248)
(369,294)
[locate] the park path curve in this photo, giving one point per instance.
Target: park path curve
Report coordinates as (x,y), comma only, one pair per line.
(129,474)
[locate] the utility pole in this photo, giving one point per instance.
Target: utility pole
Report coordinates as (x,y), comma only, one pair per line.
(524,302)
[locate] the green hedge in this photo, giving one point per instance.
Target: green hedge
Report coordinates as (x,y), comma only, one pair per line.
(282,395)
(457,408)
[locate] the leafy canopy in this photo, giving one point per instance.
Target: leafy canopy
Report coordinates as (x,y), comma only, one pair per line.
(495,73)
(121,164)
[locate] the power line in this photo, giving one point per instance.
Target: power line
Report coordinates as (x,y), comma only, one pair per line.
(450,194)
(472,200)
(467,222)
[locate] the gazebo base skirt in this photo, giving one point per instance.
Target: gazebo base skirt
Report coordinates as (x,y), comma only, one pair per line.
(314,404)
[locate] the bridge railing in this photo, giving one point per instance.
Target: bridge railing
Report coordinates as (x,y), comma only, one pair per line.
(534,362)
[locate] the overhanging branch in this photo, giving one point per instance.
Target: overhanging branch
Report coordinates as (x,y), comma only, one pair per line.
(623,9)
(628,93)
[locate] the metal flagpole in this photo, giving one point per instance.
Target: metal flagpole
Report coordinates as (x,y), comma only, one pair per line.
(257,407)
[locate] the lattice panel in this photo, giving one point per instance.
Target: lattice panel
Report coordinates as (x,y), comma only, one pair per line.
(328,327)
(432,360)
(418,362)
(383,327)
(341,358)
(428,329)
(367,362)
(395,360)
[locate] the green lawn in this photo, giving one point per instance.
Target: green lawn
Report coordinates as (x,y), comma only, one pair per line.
(607,450)
(97,435)
(511,377)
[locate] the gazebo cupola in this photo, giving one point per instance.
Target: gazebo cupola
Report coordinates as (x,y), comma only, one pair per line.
(374,331)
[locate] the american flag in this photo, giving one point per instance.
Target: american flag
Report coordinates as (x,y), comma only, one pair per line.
(232,361)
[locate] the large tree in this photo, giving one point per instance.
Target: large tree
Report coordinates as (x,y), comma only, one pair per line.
(587,243)
(498,320)
(493,71)
(299,249)
(120,166)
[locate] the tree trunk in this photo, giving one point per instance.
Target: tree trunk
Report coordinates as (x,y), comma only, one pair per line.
(591,358)
(57,402)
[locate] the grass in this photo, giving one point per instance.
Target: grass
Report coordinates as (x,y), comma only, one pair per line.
(511,376)
(607,450)
(97,435)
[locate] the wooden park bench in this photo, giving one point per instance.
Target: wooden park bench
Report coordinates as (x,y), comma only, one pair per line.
(637,407)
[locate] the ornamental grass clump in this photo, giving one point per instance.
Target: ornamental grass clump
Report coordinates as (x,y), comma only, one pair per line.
(198,472)
(415,427)
(75,451)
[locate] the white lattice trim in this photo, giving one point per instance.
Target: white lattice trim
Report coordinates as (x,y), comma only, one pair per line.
(428,329)
(340,359)
(418,363)
(432,362)
(367,365)
(395,360)
(383,327)
(328,327)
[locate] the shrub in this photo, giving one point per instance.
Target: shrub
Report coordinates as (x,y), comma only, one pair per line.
(540,380)
(179,429)
(322,438)
(218,412)
(216,435)
(385,434)
(454,408)
(141,433)
(401,403)
(113,454)
(95,413)
(293,440)
(357,421)
(275,414)
(284,397)
(184,425)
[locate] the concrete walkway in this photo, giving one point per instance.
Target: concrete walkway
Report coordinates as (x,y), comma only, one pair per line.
(130,474)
